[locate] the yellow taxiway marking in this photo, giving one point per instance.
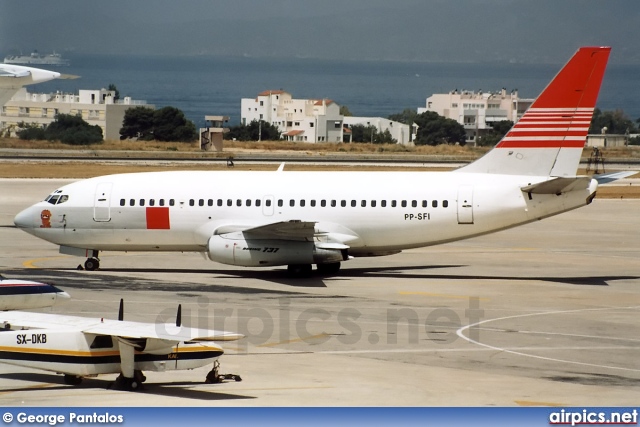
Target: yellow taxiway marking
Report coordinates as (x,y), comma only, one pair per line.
(31,387)
(432,294)
(530,403)
(30,262)
(321,335)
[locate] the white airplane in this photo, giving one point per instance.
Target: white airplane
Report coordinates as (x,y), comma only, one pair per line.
(83,347)
(25,294)
(13,77)
(261,219)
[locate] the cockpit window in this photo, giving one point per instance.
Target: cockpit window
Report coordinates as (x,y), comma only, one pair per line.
(63,198)
(53,199)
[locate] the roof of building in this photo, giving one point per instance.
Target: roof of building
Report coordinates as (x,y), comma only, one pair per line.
(272,92)
(294,132)
(323,101)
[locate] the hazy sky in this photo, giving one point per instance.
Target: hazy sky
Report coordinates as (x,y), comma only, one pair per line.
(407,30)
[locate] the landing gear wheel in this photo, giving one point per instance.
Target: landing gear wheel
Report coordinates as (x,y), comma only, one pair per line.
(139,376)
(328,268)
(72,379)
(300,270)
(126,384)
(214,377)
(92,264)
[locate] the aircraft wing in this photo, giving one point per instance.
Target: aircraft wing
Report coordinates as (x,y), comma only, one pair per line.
(123,329)
(293,230)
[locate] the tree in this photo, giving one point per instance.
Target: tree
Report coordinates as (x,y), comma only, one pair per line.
(493,136)
(408,116)
(31,132)
(344,111)
(369,133)
(165,124)
(115,89)
(433,129)
(138,124)
(616,122)
(70,129)
(250,132)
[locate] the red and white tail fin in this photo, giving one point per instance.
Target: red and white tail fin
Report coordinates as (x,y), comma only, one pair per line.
(549,138)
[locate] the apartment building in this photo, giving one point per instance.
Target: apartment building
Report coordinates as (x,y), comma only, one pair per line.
(478,111)
(300,120)
(97,107)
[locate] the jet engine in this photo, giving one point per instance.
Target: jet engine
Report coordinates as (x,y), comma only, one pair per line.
(271,252)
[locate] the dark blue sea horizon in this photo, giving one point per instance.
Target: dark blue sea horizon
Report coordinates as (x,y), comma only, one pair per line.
(202,86)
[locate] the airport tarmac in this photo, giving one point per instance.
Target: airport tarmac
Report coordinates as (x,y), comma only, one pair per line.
(544,314)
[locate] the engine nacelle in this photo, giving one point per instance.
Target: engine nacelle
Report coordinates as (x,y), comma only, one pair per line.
(269,252)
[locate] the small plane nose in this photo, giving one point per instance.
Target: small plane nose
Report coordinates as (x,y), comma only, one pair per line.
(25,219)
(62,295)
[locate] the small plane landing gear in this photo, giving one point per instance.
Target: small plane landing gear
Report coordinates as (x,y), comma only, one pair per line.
(92,264)
(126,384)
(72,379)
(214,376)
(300,270)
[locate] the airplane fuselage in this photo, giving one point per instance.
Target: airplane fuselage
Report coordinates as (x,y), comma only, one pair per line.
(372,213)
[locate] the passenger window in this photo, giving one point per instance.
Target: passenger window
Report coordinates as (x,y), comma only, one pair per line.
(333,204)
(172,202)
(219,202)
(373,203)
(152,202)
(445,203)
(383,203)
(393,203)
(268,202)
(142,202)
(210,202)
(122,202)
(343,203)
(229,202)
(248,203)
(363,203)
(238,202)
(424,204)
(353,203)
(302,203)
(323,203)
(292,203)
(404,203)
(280,203)
(414,203)
(258,202)
(313,203)
(132,202)
(161,202)
(434,203)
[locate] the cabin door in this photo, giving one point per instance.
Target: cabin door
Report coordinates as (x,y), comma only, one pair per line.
(465,204)
(102,202)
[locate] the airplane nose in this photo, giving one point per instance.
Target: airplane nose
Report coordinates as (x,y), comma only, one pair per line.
(62,295)
(25,219)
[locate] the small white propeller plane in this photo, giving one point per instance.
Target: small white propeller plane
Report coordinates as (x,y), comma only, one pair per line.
(26,294)
(83,347)
(261,219)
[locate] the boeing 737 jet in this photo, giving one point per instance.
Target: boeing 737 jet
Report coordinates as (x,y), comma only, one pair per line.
(262,219)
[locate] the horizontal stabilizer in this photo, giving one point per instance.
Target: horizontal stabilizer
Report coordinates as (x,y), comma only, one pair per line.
(558,185)
(612,176)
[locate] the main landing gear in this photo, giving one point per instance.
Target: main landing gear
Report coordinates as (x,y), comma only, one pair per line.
(129,384)
(214,376)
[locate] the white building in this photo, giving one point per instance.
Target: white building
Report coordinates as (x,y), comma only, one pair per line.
(399,131)
(303,120)
(477,111)
(97,107)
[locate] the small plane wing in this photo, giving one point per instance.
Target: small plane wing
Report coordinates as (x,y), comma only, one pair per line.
(605,178)
(117,328)
(558,185)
